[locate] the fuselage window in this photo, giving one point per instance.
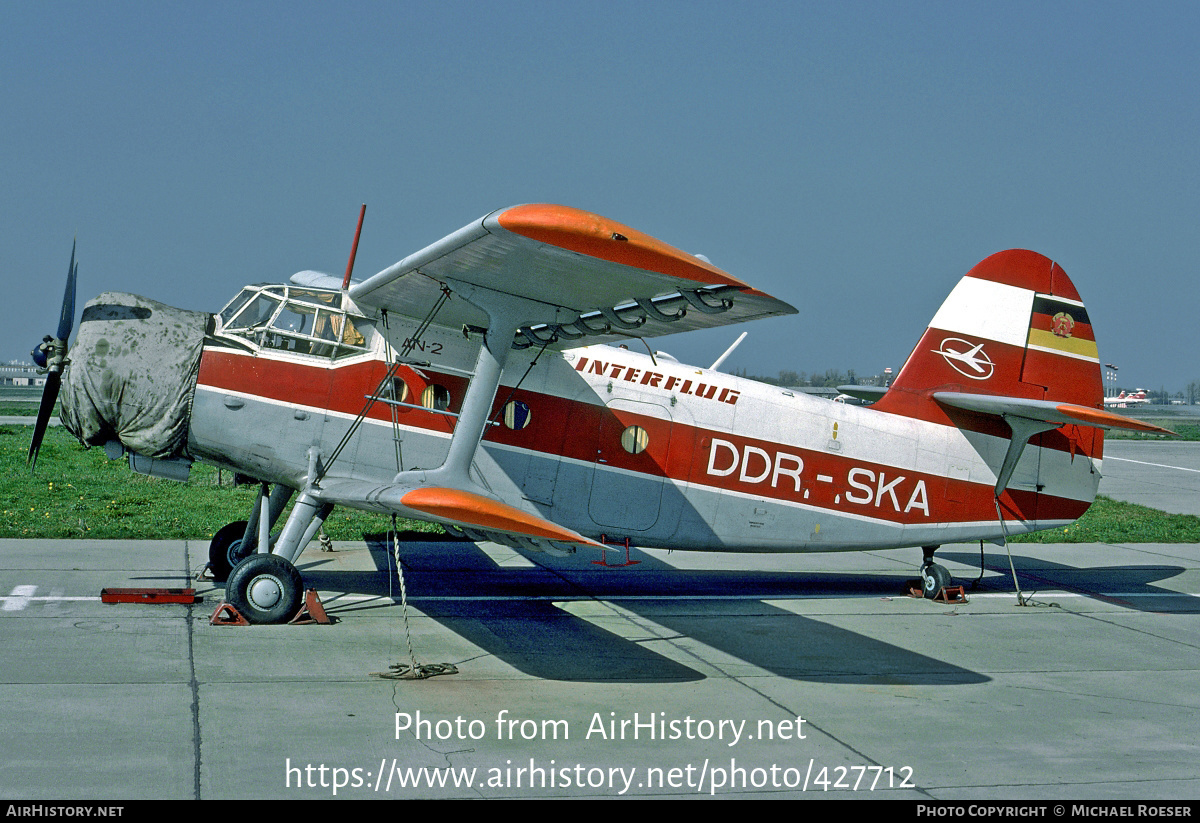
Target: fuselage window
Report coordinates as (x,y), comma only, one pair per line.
(635,439)
(435,397)
(516,414)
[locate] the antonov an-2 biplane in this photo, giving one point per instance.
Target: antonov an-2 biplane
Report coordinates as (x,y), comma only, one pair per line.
(469,384)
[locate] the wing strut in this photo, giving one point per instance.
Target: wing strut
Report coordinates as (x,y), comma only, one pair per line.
(447,493)
(409,345)
(506,314)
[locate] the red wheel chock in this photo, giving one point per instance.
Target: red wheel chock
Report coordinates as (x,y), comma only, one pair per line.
(227,615)
(952,594)
(948,594)
(311,611)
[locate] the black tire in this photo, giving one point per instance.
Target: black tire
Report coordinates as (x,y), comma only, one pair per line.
(227,550)
(265,588)
(934,578)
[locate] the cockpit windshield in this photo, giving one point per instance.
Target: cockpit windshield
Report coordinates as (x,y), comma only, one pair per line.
(299,320)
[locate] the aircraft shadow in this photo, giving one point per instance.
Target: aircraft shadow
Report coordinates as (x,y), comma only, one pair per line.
(511,613)
(534,636)
(1037,572)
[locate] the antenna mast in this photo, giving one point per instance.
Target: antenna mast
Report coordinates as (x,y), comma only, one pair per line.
(354,248)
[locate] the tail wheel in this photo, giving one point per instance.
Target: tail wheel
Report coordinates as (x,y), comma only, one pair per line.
(227,550)
(934,578)
(265,588)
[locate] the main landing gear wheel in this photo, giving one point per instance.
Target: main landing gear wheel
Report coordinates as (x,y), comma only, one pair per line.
(265,588)
(227,550)
(934,578)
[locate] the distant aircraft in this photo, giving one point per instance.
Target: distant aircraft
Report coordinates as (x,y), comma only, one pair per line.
(1123,400)
(469,385)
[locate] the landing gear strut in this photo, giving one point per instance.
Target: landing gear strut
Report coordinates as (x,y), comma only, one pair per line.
(234,542)
(934,578)
(263,585)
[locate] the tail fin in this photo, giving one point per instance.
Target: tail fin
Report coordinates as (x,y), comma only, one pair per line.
(1011,352)
(1013,326)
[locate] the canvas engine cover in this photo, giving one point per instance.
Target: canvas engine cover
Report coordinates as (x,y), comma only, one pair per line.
(132,374)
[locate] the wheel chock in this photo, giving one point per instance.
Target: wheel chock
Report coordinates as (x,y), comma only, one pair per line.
(227,615)
(313,611)
(952,594)
(948,594)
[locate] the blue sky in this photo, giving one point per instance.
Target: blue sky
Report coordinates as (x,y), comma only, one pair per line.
(854,159)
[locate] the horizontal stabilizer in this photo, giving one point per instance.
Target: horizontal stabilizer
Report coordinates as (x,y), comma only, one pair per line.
(1045,411)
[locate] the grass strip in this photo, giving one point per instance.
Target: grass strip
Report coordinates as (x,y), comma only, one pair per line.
(81,493)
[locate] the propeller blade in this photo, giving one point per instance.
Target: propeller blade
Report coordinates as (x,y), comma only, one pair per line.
(66,320)
(49,395)
(52,355)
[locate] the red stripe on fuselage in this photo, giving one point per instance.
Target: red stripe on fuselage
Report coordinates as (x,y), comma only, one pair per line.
(309,384)
(590,433)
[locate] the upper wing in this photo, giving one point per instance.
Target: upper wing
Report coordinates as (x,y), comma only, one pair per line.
(581,276)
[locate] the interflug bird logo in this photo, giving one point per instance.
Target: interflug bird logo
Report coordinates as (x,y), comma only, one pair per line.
(969,360)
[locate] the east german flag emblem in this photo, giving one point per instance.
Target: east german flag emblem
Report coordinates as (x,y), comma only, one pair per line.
(1061,326)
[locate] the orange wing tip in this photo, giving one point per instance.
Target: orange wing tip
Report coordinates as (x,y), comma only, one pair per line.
(470,509)
(596,236)
(1116,421)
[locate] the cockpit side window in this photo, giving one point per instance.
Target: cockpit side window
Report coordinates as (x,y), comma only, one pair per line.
(235,305)
(300,321)
(255,314)
(353,330)
(295,317)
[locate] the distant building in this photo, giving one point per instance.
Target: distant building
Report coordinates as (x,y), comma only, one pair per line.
(16,373)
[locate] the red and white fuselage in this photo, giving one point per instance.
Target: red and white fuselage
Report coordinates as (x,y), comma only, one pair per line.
(607,440)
